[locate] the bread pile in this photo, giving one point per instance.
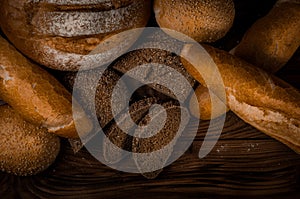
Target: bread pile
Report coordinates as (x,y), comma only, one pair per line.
(59,36)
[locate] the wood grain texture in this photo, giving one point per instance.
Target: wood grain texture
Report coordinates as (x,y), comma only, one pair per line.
(244,162)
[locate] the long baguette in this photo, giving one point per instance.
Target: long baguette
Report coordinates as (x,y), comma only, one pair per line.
(269,43)
(262,100)
(35,94)
(273,39)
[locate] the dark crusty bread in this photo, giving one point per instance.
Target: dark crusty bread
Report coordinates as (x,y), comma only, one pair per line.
(25,149)
(273,39)
(260,99)
(103,95)
(154,56)
(122,139)
(61,34)
(160,142)
(36,95)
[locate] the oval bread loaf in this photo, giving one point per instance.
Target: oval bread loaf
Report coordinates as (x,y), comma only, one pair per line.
(60,34)
(25,149)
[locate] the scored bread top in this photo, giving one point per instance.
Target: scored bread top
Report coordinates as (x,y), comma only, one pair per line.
(61,36)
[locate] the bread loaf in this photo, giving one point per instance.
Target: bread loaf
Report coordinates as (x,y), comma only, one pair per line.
(159,147)
(60,34)
(120,139)
(25,149)
(204,21)
(36,95)
(104,91)
(269,44)
(260,99)
(154,56)
(273,39)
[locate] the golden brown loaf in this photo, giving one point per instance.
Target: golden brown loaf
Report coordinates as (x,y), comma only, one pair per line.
(25,149)
(204,21)
(269,43)
(260,99)
(61,33)
(35,94)
(273,39)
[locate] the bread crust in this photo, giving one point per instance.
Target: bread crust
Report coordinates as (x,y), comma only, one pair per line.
(25,149)
(35,94)
(61,34)
(200,104)
(272,40)
(269,43)
(204,21)
(262,100)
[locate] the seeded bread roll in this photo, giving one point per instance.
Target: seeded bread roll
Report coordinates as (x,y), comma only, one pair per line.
(25,149)
(61,33)
(273,39)
(260,99)
(36,95)
(204,21)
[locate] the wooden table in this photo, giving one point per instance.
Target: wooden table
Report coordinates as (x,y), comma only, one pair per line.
(244,162)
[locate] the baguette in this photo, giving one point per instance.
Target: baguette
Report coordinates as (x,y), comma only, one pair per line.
(262,100)
(25,149)
(36,95)
(273,39)
(269,44)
